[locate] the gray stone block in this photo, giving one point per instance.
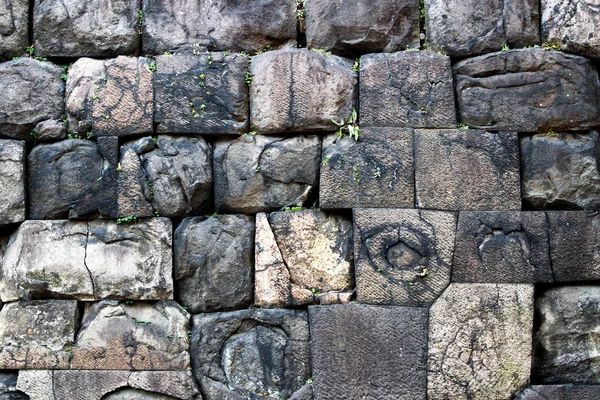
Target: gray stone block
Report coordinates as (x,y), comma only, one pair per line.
(560,392)
(14,37)
(12,182)
(8,387)
(50,130)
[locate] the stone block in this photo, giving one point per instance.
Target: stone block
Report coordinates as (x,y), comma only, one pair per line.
(12,182)
(8,387)
(403,257)
(50,130)
(407,89)
(14,37)
(467,170)
(560,392)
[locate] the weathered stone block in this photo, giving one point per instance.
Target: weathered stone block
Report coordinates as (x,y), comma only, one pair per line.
(299,90)
(218,25)
(260,173)
(12,182)
(245,354)
(14,28)
(8,387)
(50,130)
(375,171)
(561,171)
(98,28)
(37,334)
(89,261)
(467,170)
(502,247)
(403,257)
(362,351)
(352,29)
(480,341)
(560,392)
(214,262)
(32,91)
(205,93)
(528,90)
(407,89)
(473,27)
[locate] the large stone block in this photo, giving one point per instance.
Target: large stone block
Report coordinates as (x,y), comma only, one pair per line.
(37,334)
(528,90)
(403,257)
(32,91)
(407,89)
(261,173)
(14,28)
(464,28)
(250,354)
(352,29)
(12,182)
(561,171)
(480,341)
(377,170)
(89,261)
(502,247)
(214,262)
(467,170)
(560,392)
(362,351)
(96,28)
(299,90)
(205,93)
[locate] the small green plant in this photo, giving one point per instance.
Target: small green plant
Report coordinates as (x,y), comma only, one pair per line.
(248,78)
(141,321)
(377,173)
(64,75)
(422,271)
(441,53)
(355,170)
(296,208)
(322,51)
(257,168)
(350,126)
(140,21)
(463,127)
(551,132)
(127,220)
(505,48)
(412,49)
(309,380)
(152,66)
(356,66)
(325,160)
(33,133)
(129,302)
(253,133)
(30,50)
(119,167)
(551,46)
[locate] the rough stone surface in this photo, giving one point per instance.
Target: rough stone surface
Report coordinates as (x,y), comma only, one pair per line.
(32,91)
(362,351)
(502,247)
(403,257)
(8,384)
(251,353)
(97,28)
(204,93)
(138,336)
(133,191)
(467,170)
(528,90)
(214,262)
(560,392)
(218,25)
(473,27)
(480,341)
(50,130)
(37,334)
(260,173)
(351,29)
(561,171)
(12,182)
(89,261)
(407,89)
(375,171)
(299,90)
(14,26)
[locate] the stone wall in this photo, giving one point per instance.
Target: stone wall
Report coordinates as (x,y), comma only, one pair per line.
(288,199)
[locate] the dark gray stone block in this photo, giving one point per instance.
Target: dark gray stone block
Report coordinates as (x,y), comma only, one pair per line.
(14,28)
(560,392)
(12,182)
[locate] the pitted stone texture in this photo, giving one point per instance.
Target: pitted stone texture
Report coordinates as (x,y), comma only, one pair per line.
(560,392)
(480,341)
(205,93)
(351,29)
(214,262)
(133,191)
(407,89)
(89,261)
(218,25)
(97,28)
(466,28)
(50,130)
(138,336)
(8,387)
(467,170)
(502,247)
(299,90)
(261,173)
(37,334)
(32,91)
(73,179)
(362,351)
(14,28)
(403,257)
(572,24)
(528,90)
(375,171)
(561,171)
(245,354)
(12,182)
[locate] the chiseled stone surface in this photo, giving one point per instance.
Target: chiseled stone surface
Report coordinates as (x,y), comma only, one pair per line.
(480,341)
(12,182)
(14,28)
(361,351)
(467,170)
(560,392)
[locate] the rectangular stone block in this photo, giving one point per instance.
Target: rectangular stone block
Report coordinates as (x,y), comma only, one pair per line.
(14,37)
(12,182)
(377,170)
(467,170)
